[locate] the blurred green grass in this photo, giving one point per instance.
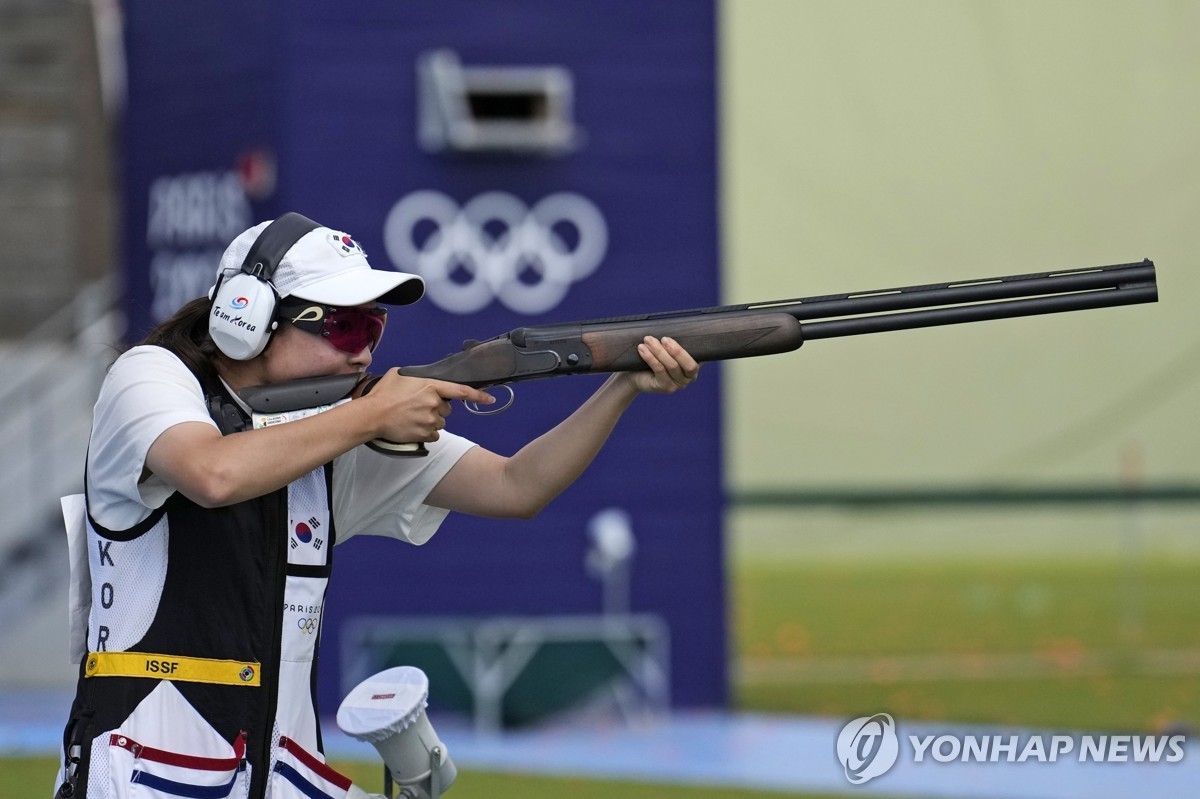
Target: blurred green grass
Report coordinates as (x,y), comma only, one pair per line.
(29,778)
(1125,702)
(490,785)
(1092,644)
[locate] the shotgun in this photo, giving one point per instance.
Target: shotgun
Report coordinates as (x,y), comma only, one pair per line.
(730,331)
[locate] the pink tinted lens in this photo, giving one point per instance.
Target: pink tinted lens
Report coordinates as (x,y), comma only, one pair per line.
(352,329)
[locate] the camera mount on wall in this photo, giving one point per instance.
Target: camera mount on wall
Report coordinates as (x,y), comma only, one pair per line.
(513,110)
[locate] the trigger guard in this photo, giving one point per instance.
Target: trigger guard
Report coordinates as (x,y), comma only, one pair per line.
(473,407)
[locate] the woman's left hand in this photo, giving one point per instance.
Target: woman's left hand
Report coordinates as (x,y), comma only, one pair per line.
(671,367)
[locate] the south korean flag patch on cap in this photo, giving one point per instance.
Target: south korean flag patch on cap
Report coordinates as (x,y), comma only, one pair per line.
(345,245)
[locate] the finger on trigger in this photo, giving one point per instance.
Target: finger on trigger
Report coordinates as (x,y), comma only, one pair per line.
(477,396)
(458,391)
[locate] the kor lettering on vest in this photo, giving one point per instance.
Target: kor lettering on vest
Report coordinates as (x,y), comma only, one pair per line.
(104,556)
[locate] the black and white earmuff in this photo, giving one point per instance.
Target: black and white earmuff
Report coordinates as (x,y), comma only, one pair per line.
(242,316)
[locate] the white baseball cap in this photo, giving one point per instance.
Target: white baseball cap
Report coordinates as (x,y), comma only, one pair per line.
(329,267)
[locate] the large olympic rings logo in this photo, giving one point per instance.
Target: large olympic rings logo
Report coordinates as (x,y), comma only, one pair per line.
(496,248)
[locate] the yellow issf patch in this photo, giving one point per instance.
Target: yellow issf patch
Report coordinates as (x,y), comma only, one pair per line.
(172,667)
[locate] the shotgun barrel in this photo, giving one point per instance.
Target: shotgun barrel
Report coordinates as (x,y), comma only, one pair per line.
(741,331)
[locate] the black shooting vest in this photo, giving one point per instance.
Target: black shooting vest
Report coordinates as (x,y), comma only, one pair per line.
(223,608)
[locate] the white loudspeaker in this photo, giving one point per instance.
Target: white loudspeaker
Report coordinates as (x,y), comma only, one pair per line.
(388,710)
(242,316)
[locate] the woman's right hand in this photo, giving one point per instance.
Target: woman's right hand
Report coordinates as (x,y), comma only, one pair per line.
(412,410)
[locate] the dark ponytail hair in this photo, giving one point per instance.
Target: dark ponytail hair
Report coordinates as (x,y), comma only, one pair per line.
(186,335)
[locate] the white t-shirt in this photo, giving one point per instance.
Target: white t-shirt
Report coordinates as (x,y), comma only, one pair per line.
(148,390)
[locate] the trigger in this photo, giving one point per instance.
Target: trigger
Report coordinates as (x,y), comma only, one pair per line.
(490,410)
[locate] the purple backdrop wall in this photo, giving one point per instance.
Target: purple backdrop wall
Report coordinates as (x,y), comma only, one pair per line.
(239,112)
